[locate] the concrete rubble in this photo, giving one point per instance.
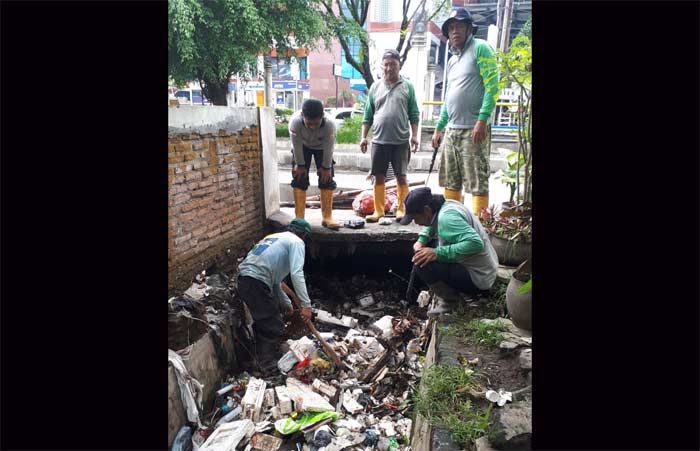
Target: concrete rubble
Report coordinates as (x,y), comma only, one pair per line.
(228,436)
(265,442)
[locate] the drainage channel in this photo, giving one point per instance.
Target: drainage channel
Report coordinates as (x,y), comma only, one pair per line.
(383,338)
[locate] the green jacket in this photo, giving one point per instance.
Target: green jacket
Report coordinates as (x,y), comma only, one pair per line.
(463,240)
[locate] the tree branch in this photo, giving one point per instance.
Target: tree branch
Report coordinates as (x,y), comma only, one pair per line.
(352,5)
(404,26)
(348,56)
(430,18)
(408,47)
(365,10)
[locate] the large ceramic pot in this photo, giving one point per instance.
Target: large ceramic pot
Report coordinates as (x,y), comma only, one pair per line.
(511,253)
(519,305)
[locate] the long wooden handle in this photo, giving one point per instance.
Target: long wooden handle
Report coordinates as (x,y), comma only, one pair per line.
(326,347)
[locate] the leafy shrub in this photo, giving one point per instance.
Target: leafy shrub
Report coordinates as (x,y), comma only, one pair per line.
(282,130)
(286,112)
(349,132)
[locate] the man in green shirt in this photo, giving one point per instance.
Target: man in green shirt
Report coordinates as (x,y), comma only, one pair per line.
(390,108)
(463,260)
(470,97)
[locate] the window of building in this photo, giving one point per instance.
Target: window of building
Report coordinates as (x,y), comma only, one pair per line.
(383,11)
(303,68)
(355,47)
(281,68)
(348,70)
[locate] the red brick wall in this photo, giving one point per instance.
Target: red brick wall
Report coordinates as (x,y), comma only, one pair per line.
(215,203)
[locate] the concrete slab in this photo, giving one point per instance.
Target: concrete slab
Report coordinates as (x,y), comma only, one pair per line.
(271,186)
(370,232)
(210,119)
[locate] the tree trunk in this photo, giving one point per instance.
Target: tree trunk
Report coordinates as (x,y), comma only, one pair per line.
(215,91)
(367,74)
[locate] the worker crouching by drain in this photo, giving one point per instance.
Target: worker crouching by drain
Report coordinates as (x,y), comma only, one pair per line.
(464,261)
(313,136)
(260,275)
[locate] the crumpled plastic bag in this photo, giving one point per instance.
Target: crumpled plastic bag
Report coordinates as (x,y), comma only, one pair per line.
(501,397)
(287,426)
(363,204)
(191,390)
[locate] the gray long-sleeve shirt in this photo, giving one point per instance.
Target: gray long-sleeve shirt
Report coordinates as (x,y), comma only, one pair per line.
(322,138)
(471,86)
(272,259)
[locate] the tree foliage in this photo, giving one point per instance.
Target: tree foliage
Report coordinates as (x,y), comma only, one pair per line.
(527,28)
(210,40)
(347,25)
(404,45)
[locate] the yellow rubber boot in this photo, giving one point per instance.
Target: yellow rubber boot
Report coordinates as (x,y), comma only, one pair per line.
(479,203)
(402,192)
(379,201)
(453,194)
(299,203)
(327,210)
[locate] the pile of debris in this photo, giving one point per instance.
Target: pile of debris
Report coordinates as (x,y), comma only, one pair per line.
(205,306)
(311,403)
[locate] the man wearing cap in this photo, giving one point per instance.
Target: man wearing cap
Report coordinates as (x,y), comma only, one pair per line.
(390,108)
(260,274)
(470,97)
(463,260)
(313,136)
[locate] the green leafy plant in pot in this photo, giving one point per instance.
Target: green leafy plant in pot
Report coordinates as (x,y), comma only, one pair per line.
(510,229)
(510,232)
(512,176)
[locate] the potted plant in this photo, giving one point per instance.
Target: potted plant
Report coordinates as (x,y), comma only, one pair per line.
(519,296)
(510,232)
(509,177)
(510,229)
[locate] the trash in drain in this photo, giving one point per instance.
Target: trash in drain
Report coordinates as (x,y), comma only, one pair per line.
(309,403)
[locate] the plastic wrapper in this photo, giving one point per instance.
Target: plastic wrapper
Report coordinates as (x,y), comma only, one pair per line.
(288,426)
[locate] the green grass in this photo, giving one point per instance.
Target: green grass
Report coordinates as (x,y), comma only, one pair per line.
(444,401)
(448,331)
(282,130)
(349,132)
(488,335)
(496,303)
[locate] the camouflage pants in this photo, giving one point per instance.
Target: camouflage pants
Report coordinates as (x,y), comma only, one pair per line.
(464,163)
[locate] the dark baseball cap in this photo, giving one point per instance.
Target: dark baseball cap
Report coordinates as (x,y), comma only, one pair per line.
(415,201)
(459,15)
(391,54)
